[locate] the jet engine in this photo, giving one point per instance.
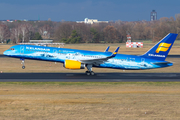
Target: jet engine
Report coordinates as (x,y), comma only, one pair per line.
(72,64)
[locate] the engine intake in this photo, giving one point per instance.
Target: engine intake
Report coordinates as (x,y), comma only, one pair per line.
(72,64)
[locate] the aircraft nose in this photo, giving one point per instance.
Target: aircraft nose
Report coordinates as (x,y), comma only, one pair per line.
(5,53)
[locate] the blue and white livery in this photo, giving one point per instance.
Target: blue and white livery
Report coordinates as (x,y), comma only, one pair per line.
(81,59)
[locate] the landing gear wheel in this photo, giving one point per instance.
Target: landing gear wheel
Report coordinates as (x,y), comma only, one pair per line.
(23,67)
(23,63)
(88,73)
(92,73)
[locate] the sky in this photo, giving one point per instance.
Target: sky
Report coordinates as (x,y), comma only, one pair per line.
(78,10)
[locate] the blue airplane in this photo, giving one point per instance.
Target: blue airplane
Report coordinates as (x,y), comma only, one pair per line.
(81,59)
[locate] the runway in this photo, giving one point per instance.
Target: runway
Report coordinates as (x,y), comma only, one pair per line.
(82,77)
(169,56)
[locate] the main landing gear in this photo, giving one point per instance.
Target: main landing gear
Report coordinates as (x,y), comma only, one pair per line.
(89,72)
(23,63)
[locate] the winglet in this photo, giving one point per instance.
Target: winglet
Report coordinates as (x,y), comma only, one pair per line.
(107,49)
(115,52)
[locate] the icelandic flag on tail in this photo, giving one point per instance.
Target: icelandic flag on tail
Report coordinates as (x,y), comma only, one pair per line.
(162,48)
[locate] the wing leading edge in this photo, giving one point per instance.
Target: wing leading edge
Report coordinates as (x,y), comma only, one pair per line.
(100,60)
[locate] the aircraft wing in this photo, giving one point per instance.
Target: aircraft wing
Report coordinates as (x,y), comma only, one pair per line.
(99,60)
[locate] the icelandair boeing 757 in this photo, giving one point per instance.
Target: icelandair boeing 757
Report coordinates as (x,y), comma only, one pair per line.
(81,59)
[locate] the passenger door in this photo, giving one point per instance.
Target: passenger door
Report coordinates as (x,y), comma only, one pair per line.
(55,53)
(143,62)
(22,50)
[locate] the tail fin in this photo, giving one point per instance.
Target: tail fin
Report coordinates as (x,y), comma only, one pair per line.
(162,48)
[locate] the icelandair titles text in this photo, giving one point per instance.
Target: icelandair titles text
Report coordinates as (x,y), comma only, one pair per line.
(35,48)
(154,55)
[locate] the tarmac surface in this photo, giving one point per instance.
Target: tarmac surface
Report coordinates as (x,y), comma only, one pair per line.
(169,56)
(82,77)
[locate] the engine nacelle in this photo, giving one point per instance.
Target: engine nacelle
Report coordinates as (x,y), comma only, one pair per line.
(71,64)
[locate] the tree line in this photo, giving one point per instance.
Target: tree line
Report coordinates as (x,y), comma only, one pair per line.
(72,32)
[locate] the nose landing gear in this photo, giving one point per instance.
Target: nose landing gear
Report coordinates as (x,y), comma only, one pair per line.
(23,63)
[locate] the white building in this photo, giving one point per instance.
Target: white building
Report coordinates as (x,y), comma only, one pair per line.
(91,21)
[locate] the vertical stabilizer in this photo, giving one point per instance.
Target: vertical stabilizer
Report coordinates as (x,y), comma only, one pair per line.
(162,48)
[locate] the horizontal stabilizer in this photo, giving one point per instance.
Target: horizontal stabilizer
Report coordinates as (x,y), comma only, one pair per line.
(161,63)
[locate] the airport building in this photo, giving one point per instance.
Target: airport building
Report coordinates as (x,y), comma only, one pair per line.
(91,21)
(153,15)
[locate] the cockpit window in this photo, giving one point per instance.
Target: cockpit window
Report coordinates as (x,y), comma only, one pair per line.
(11,48)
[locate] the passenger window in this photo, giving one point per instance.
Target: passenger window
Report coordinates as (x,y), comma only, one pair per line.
(11,48)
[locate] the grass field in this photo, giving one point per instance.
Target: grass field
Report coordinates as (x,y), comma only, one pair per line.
(88,101)
(62,101)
